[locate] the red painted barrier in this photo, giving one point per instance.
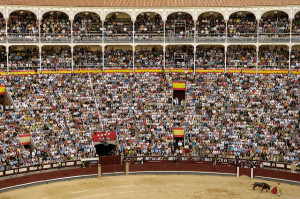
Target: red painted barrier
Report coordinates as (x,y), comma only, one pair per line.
(112,168)
(182,167)
(276,174)
(109,160)
(48,176)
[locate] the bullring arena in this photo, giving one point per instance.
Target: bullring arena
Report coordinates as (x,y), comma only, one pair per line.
(152,186)
(149,98)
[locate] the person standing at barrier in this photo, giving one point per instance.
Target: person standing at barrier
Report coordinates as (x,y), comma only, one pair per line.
(279,189)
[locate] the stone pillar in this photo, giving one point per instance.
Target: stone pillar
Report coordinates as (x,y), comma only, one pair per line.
(127,168)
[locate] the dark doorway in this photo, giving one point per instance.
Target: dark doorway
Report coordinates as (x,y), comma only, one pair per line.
(180,95)
(103,150)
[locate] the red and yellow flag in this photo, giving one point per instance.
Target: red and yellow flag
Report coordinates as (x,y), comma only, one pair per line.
(2,89)
(25,139)
(178,85)
(178,132)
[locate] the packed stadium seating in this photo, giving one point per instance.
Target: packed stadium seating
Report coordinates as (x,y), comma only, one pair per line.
(228,115)
(227,112)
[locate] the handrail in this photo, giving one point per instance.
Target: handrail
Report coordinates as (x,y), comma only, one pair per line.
(39,167)
(247,163)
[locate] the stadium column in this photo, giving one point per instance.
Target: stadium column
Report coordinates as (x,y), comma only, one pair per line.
(225,61)
(6,32)
(290,51)
(7,54)
(195,30)
(257,31)
(133,31)
(133,60)
(39,21)
(103,58)
(165,32)
(257,60)
(291,26)
(164,66)
(226,29)
(40,56)
(72,51)
(195,59)
(72,57)
(102,35)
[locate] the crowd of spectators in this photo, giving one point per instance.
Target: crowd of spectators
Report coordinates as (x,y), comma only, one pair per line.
(118,58)
(244,116)
(273,58)
(116,27)
(2,27)
(85,57)
(211,26)
(296,26)
(149,58)
(241,57)
(149,25)
(295,59)
(3,59)
(56,57)
(210,57)
(275,24)
(87,25)
(180,26)
(23,58)
(23,24)
(242,24)
(55,25)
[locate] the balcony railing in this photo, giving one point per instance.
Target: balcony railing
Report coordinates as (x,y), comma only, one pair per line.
(55,38)
(23,37)
(150,38)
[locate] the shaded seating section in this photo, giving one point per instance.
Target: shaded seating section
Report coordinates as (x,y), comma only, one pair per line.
(179,26)
(149,57)
(55,27)
(56,57)
(23,58)
(86,57)
(87,26)
(242,57)
(274,26)
(2,28)
(118,57)
(210,57)
(242,26)
(149,27)
(211,25)
(295,58)
(118,27)
(3,59)
(273,57)
(23,26)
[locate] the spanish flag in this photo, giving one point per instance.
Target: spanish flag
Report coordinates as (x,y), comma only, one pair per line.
(178,85)
(25,139)
(2,89)
(178,132)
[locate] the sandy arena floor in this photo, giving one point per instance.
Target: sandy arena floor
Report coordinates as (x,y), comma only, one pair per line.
(152,186)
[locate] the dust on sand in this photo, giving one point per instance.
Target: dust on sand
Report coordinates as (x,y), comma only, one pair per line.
(153,186)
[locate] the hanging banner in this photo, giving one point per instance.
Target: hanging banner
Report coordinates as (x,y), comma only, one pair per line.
(25,139)
(2,89)
(102,137)
(178,85)
(178,132)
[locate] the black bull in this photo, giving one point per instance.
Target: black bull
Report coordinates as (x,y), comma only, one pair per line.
(263,186)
